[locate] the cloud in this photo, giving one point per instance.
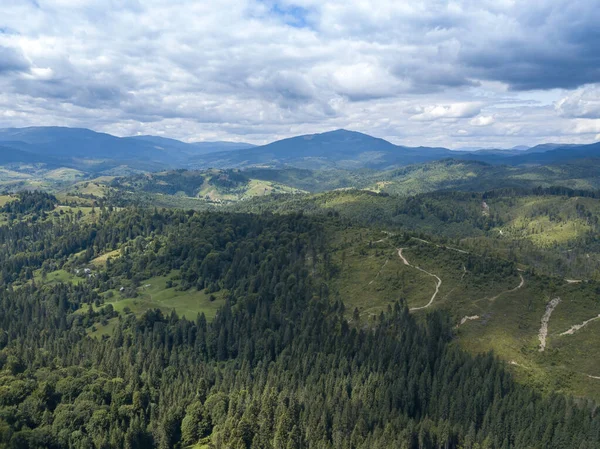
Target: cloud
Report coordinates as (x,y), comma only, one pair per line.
(452,111)
(581,103)
(537,45)
(587,127)
(413,72)
(364,81)
(482,120)
(11,60)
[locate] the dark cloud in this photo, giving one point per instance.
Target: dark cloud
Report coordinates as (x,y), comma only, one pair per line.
(421,71)
(90,96)
(546,45)
(12,60)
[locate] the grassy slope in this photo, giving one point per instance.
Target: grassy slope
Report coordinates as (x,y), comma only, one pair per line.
(475,176)
(508,324)
(546,232)
(153,294)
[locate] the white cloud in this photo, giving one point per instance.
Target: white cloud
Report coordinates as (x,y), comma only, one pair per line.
(482,120)
(365,80)
(39,73)
(583,126)
(413,72)
(581,103)
(455,110)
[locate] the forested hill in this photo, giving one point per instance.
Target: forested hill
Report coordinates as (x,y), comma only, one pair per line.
(279,366)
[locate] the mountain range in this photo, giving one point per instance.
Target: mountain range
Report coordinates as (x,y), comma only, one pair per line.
(94,152)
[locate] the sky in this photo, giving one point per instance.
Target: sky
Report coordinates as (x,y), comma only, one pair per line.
(465,73)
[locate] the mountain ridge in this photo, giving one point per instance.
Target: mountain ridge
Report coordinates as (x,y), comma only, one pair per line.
(96,152)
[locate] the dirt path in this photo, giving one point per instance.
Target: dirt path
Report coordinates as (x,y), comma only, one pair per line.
(438,284)
(543,334)
(379,272)
(576,327)
(388,234)
(441,246)
(402,257)
(468,318)
(522,283)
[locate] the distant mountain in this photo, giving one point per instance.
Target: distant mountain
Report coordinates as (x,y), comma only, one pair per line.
(544,147)
(162,143)
(219,146)
(99,152)
(193,148)
(505,151)
(335,149)
(94,152)
(11,155)
(557,154)
(71,145)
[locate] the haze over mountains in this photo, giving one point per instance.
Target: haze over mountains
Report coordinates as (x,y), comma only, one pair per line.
(95,152)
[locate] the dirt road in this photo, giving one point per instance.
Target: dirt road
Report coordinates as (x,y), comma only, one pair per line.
(576,327)
(522,283)
(543,334)
(438,284)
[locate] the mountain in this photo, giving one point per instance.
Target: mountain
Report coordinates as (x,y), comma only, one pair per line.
(544,154)
(501,151)
(11,155)
(335,149)
(161,143)
(72,144)
(560,154)
(100,152)
(217,146)
(193,148)
(94,152)
(544,147)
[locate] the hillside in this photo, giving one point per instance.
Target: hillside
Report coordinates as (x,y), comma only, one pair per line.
(182,328)
(550,230)
(456,174)
(181,188)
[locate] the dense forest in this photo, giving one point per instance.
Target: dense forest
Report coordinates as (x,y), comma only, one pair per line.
(279,367)
(30,202)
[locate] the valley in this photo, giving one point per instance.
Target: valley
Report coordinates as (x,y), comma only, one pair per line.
(233,270)
(302,224)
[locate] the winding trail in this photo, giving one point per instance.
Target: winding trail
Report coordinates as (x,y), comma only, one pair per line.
(438,284)
(576,327)
(379,272)
(462,251)
(518,287)
(543,334)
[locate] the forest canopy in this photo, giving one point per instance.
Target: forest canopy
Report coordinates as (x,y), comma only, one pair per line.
(279,366)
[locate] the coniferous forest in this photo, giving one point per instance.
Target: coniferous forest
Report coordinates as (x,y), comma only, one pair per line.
(299,224)
(280,366)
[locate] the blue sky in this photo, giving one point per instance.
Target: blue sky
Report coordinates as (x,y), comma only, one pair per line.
(453,73)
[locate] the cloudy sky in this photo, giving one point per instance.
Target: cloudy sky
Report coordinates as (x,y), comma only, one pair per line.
(453,73)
